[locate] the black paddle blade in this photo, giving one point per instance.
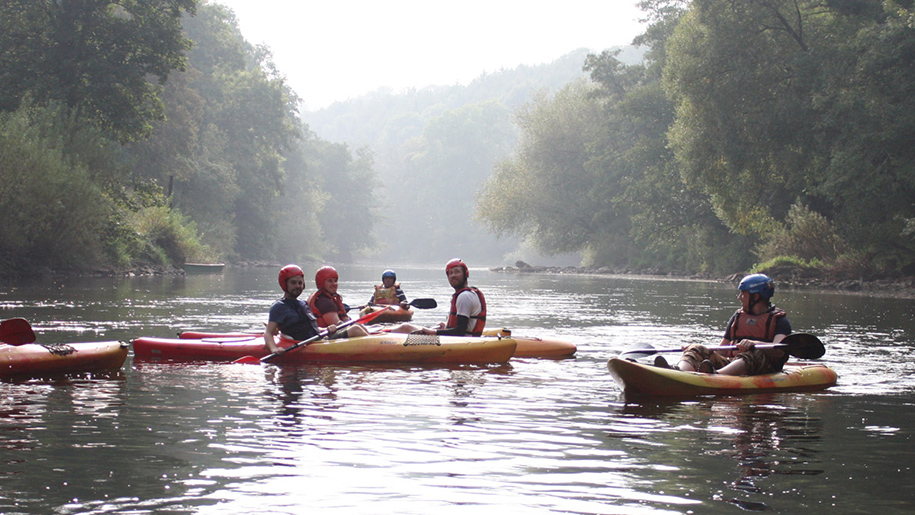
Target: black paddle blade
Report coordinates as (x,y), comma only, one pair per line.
(642,352)
(804,346)
(424,303)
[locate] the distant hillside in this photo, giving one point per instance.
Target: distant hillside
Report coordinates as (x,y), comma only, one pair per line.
(388,118)
(432,151)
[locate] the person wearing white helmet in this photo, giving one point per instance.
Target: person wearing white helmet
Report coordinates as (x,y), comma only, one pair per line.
(757,321)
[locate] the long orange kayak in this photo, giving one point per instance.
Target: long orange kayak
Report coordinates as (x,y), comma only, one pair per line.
(527,346)
(34,359)
(535,347)
(641,379)
(375,348)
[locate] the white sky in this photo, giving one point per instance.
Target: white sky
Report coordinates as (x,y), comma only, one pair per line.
(332,50)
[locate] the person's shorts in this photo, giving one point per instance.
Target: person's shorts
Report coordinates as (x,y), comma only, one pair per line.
(757,361)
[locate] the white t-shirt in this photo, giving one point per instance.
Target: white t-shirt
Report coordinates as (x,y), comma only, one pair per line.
(468,305)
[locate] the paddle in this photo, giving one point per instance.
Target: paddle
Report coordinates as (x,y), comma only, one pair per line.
(799,345)
(416,303)
(16,331)
(249,360)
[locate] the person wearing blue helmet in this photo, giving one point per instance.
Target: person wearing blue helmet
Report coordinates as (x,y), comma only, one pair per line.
(757,321)
(389,291)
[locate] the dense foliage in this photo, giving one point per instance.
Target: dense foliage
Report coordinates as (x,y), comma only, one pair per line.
(151,132)
(754,129)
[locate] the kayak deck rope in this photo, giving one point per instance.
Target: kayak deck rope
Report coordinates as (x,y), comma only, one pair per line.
(60,349)
(421,339)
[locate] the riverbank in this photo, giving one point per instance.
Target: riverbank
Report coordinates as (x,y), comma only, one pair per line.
(903,287)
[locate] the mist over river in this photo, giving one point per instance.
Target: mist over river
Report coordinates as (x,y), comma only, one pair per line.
(531,436)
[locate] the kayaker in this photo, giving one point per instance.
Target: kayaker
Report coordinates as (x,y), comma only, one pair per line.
(757,321)
(327,304)
(388,292)
(291,315)
(468,307)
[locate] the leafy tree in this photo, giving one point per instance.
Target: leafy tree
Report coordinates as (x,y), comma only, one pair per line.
(94,56)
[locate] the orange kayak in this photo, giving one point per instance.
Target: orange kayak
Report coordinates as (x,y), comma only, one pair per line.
(34,359)
(527,346)
(641,379)
(375,348)
(534,347)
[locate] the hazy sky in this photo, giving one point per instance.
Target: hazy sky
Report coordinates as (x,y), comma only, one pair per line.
(333,50)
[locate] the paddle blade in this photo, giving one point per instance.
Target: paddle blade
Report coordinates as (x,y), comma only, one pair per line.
(424,303)
(16,331)
(804,346)
(248,360)
(643,352)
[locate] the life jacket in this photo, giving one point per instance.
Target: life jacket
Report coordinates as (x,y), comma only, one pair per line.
(386,295)
(755,327)
(479,320)
(313,301)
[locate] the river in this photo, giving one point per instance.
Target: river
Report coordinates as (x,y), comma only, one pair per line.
(532,436)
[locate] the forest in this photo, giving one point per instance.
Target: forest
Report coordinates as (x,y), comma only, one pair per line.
(732,135)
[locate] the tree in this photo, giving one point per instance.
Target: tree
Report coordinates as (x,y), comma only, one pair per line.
(94,56)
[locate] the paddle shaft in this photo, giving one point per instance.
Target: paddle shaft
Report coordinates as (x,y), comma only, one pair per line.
(322,334)
(416,303)
(801,345)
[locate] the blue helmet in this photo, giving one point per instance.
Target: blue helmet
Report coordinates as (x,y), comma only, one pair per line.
(758,283)
(388,273)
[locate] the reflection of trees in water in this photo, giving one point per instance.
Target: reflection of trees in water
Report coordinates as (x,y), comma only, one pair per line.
(774,435)
(765,434)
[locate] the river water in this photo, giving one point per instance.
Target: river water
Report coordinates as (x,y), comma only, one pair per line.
(532,436)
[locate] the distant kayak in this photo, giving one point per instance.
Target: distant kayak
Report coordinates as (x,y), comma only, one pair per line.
(641,379)
(393,315)
(527,346)
(376,348)
(36,360)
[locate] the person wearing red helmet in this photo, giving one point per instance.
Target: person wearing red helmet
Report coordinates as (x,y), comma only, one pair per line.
(467,316)
(327,304)
(289,314)
(757,321)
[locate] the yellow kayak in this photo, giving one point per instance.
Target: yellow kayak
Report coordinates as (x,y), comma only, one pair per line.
(641,379)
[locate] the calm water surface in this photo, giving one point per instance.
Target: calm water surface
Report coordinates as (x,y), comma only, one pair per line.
(533,436)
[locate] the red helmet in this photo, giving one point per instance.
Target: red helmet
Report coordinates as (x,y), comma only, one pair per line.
(457,262)
(289,271)
(323,274)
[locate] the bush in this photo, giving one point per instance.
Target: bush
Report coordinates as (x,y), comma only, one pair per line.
(805,235)
(167,237)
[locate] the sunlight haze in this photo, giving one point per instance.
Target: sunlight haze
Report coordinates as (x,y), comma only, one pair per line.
(336,50)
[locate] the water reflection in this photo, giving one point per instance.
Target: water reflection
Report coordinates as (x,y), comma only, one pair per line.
(760,436)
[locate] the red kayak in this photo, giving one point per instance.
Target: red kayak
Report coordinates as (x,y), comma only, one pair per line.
(37,360)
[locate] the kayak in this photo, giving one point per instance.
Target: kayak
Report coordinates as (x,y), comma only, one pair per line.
(641,379)
(33,359)
(393,315)
(375,348)
(534,347)
(527,346)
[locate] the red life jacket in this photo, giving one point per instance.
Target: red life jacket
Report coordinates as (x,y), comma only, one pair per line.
(755,327)
(313,301)
(479,320)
